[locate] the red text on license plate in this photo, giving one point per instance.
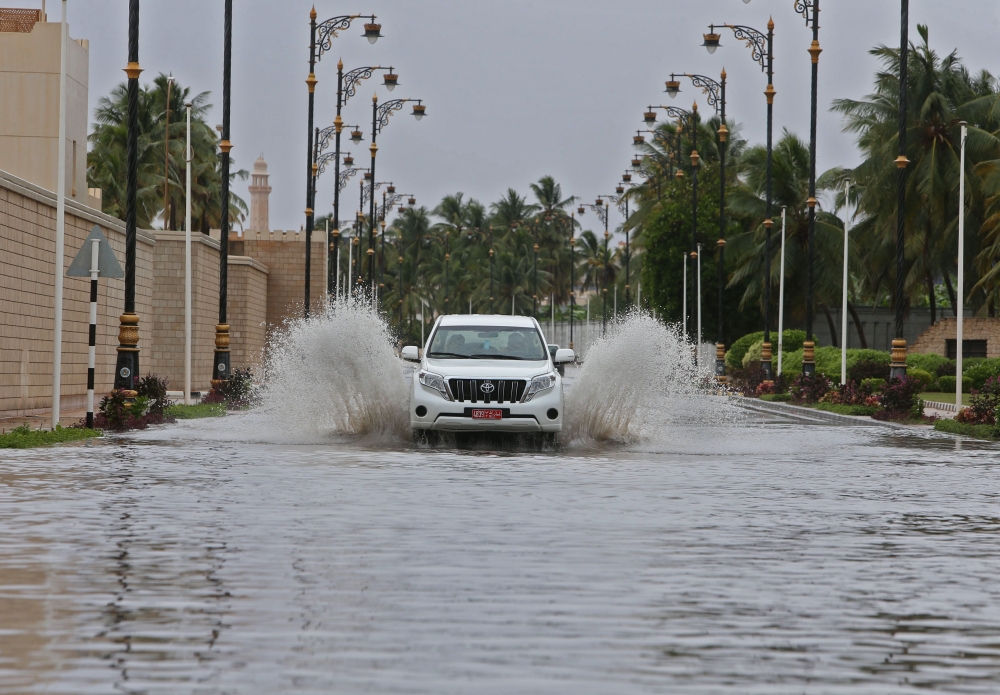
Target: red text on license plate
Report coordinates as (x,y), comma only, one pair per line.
(487,414)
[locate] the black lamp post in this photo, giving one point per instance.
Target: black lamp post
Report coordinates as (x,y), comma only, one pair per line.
(897,367)
(600,206)
(127,365)
(621,200)
(692,118)
(762,51)
(347,85)
(321,37)
(221,370)
(716,93)
(380,119)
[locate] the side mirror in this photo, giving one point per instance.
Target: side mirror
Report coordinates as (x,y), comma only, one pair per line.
(563,356)
(411,354)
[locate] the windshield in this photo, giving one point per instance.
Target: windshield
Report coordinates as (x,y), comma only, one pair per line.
(487,342)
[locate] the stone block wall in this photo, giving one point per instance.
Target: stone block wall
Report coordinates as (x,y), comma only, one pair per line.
(247,312)
(284,254)
(27,302)
(933,340)
(166,359)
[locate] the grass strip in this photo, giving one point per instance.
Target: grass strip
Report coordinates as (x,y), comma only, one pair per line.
(195,412)
(977,431)
(840,409)
(24,437)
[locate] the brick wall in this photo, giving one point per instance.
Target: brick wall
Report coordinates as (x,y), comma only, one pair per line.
(247,311)
(27,304)
(284,254)
(973,328)
(167,357)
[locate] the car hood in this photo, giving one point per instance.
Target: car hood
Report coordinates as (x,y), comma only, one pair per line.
(487,369)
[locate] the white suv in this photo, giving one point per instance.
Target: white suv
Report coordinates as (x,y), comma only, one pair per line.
(486,373)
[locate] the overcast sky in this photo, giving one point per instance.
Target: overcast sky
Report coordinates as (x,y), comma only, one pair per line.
(514,89)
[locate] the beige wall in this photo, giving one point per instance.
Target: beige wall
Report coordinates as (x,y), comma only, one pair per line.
(973,328)
(27,255)
(29,109)
(284,254)
(247,312)
(166,359)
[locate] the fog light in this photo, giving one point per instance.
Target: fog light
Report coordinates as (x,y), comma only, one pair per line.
(552,414)
(421,411)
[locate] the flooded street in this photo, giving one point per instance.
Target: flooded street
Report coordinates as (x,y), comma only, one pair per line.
(187,560)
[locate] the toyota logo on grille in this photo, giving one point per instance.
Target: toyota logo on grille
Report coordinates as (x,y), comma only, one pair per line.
(487,387)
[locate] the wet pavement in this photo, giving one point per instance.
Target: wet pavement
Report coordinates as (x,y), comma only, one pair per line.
(187,560)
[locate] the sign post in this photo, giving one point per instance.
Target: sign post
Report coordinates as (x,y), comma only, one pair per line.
(96,259)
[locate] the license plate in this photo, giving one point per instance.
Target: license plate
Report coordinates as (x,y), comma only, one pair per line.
(487,414)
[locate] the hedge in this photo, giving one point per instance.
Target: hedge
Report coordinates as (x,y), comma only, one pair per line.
(792,340)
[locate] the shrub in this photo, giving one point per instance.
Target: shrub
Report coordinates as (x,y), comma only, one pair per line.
(947,384)
(239,390)
(776,397)
(929,362)
(982,370)
(754,353)
(747,380)
(851,393)
(791,341)
(868,369)
(113,412)
(154,388)
(809,389)
(738,350)
(900,400)
(983,405)
(24,437)
(873,385)
(765,389)
(925,378)
(791,363)
(946,369)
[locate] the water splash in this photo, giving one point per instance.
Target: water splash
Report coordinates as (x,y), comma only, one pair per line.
(336,374)
(640,383)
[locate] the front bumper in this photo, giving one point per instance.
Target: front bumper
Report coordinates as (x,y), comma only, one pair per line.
(451,416)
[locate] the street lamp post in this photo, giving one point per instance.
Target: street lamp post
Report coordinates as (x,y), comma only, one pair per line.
(897,367)
(572,274)
(716,93)
(166,156)
(380,119)
(127,367)
(762,51)
(221,368)
(621,200)
(491,268)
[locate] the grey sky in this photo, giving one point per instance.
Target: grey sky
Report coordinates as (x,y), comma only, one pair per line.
(515,89)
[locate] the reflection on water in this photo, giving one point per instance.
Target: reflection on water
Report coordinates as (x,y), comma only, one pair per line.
(842,560)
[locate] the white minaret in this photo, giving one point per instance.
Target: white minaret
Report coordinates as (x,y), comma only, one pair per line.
(259,191)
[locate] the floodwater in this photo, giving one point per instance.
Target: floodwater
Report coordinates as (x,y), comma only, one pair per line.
(755,556)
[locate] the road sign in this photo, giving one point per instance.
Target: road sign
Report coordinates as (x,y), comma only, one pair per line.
(107,264)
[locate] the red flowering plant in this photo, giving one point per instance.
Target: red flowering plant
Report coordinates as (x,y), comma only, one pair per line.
(983,404)
(809,389)
(900,400)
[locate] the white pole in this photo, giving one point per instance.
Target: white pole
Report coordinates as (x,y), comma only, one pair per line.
(638,295)
(843,297)
(684,299)
(60,228)
(698,338)
(552,319)
(959,328)
(350,278)
(781,293)
(187,262)
(616,302)
(95,250)
(336,274)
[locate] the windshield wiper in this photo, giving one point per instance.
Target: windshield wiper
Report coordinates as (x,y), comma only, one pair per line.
(498,357)
(447,354)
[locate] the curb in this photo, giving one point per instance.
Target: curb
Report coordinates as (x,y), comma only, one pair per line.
(820,416)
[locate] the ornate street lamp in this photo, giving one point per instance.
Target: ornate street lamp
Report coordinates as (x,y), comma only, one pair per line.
(762,51)
(572,270)
(600,206)
(380,119)
(621,200)
(716,93)
(803,7)
(347,85)
(321,37)
(127,366)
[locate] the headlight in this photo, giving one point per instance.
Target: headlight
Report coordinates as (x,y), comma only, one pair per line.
(538,384)
(434,381)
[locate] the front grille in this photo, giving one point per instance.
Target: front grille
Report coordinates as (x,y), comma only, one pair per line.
(471,390)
